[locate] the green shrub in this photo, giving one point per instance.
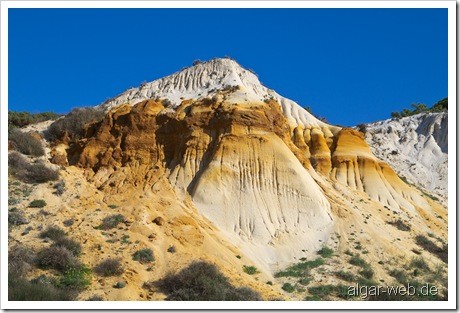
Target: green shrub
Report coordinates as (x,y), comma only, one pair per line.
(20,260)
(68,243)
(321,291)
(430,246)
(74,123)
(300,269)
(399,224)
(111,221)
(21,119)
(144,256)
(119,285)
(400,275)
(58,258)
(288,287)
(19,167)
(25,143)
(37,204)
(201,281)
(109,267)
(16,218)
(325,252)
(77,278)
(251,270)
(356,260)
(53,232)
(346,276)
(419,263)
(367,273)
(20,289)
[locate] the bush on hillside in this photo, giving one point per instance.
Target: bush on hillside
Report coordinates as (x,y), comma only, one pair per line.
(25,143)
(21,119)
(73,124)
(19,167)
(201,281)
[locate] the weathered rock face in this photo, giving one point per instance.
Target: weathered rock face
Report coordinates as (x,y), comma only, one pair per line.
(416,147)
(269,175)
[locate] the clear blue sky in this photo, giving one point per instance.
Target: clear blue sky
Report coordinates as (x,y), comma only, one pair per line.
(349,65)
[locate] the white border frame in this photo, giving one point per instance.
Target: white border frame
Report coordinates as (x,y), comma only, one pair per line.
(452,84)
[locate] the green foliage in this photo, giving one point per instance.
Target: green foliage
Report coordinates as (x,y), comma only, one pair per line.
(356,260)
(439,106)
(144,256)
(325,252)
(202,281)
(68,243)
(37,204)
(20,289)
(346,276)
(53,232)
(367,273)
(16,218)
(399,224)
(20,260)
(58,258)
(74,123)
(430,246)
(400,275)
(251,270)
(119,285)
(288,287)
(78,278)
(111,221)
(21,119)
(25,143)
(37,172)
(300,269)
(419,263)
(109,267)
(321,291)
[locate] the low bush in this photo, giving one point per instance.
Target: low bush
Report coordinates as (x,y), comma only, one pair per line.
(249,269)
(74,123)
(20,289)
(19,167)
(111,221)
(399,224)
(356,260)
(288,287)
(430,246)
(70,244)
(321,291)
(37,204)
(58,258)
(367,273)
(16,218)
(109,267)
(21,119)
(20,260)
(419,263)
(301,269)
(346,276)
(202,281)
(77,278)
(325,252)
(53,232)
(399,275)
(26,143)
(144,256)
